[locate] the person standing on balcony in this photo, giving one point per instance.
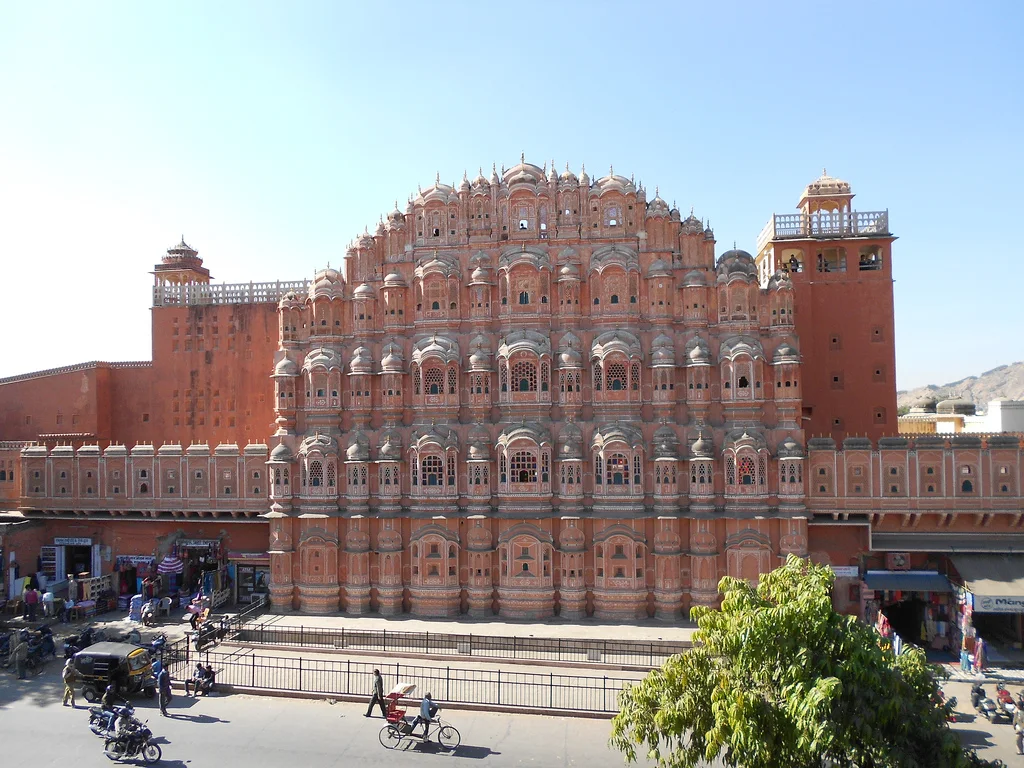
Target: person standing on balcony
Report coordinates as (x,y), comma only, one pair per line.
(378,695)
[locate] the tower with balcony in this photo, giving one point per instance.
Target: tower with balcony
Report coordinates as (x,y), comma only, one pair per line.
(839,261)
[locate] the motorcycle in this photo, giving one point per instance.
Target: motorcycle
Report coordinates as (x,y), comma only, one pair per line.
(984,704)
(208,635)
(107,722)
(1004,700)
(42,644)
(75,643)
(132,741)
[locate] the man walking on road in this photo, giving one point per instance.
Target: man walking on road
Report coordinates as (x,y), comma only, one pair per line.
(1018,726)
(378,695)
(69,682)
(164,684)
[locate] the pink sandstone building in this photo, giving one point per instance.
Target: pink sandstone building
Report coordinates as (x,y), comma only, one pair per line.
(529,395)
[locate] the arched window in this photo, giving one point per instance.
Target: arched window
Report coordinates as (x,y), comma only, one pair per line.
(434,381)
(967,486)
(524,376)
(617,469)
(746,469)
(316,474)
(614,298)
(616,376)
(330,475)
(524,297)
(431,469)
(524,467)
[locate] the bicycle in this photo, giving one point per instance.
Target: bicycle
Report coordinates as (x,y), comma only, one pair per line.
(392,734)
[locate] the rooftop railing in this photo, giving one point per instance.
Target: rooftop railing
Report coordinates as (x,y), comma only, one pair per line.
(784,226)
(225,293)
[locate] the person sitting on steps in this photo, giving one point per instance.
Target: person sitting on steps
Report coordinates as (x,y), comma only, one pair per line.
(197,681)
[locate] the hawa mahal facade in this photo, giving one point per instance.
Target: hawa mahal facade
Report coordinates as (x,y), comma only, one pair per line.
(529,394)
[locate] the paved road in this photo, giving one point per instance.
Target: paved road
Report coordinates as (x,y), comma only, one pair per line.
(990,741)
(261,731)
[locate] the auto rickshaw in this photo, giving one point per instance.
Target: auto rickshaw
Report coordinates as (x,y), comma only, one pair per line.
(129,667)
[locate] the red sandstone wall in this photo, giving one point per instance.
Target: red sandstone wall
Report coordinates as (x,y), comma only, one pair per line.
(66,402)
(211,377)
(845,324)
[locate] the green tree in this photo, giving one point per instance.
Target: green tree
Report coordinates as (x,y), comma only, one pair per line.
(778,678)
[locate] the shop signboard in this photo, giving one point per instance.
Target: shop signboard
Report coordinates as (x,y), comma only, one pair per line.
(998,604)
(71,541)
(134,559)
(846,571)
(189,543)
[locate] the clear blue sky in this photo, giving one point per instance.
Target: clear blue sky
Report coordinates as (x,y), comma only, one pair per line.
(270,134)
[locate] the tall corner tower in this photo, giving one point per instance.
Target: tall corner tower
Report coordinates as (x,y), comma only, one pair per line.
(181,266)
(840,264)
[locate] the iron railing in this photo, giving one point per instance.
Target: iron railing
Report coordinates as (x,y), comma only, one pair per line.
(251,612)
(464,686)
(624,652)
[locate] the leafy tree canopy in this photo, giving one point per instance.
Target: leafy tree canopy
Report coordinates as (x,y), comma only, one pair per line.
(778,678)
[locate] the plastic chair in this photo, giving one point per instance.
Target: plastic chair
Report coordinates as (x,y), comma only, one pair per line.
(164,608)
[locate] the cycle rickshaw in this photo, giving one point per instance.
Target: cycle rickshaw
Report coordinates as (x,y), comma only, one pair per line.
(401,727)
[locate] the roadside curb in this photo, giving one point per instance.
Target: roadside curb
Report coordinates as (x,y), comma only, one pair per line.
(440,657)
(543,711)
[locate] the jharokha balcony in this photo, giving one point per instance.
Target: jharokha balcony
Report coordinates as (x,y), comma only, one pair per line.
(822,224)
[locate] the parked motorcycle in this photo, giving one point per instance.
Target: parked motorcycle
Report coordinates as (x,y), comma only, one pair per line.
(984,704)
(1005,702)
(41,643)
(133,740)
(75,643)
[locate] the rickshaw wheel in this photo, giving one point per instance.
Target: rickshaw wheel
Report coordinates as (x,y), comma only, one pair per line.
(151,692)
(89,694)
(448,737)
(390,736)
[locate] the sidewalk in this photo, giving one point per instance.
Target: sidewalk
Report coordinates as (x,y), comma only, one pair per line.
(589,629)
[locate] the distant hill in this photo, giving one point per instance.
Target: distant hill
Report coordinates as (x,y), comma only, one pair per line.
(1004,382)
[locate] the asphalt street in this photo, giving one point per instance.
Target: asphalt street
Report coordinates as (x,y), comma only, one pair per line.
(260,732)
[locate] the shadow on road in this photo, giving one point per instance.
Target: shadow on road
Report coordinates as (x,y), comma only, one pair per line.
(974,738)
(463,750)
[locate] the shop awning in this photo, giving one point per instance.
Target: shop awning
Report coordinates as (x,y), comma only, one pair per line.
(907,581)
(996,581)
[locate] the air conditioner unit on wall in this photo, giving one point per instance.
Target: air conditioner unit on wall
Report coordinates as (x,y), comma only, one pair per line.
(897,561)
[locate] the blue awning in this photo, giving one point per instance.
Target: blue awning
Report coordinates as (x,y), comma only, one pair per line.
(907,581)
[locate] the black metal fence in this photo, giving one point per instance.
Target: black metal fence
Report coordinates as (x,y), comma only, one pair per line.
(452,684)
(251,612)
(624,652)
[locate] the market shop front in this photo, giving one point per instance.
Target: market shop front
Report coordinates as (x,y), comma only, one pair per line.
(992,603)
(916,605)
(250,572)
